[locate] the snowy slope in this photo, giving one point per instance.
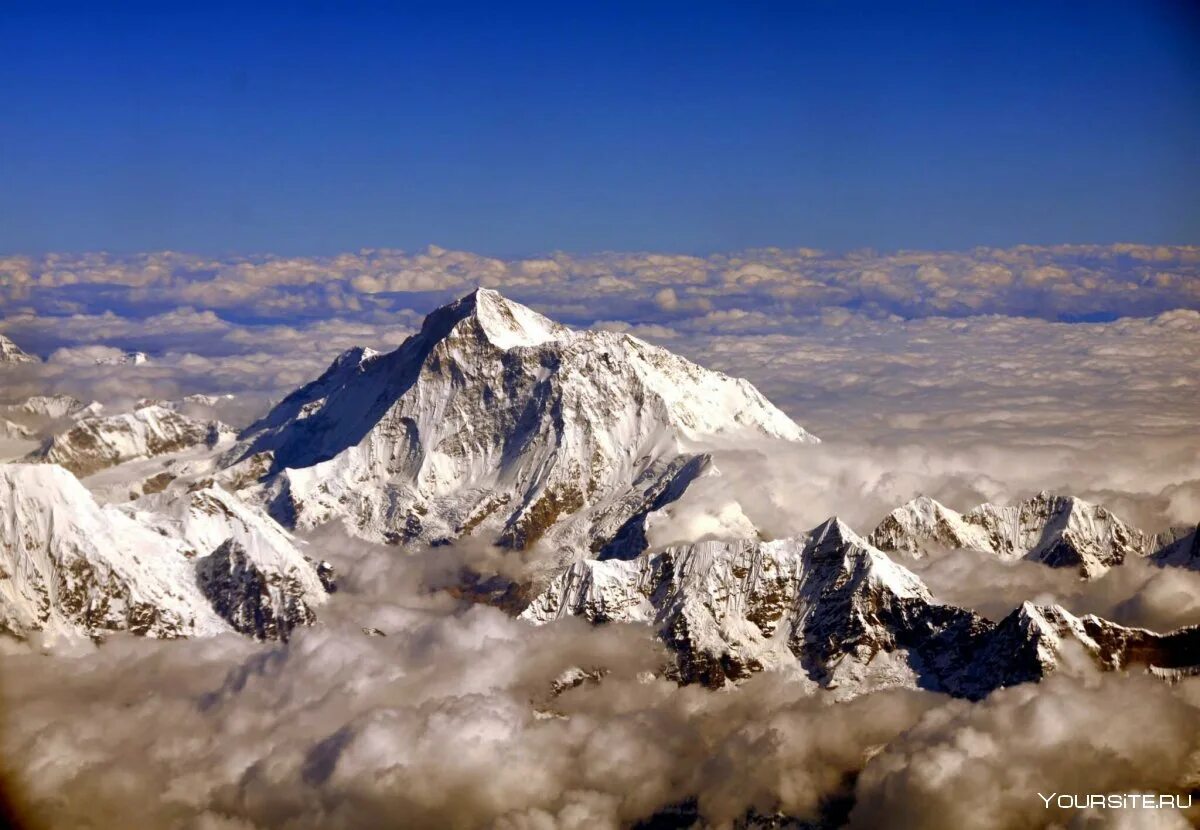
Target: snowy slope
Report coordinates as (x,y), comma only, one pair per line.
(1059,531)
(203,566)
(830,608)
(69,565)
(495,420)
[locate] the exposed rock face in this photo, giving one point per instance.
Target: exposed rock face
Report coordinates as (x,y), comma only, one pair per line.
(98,442)
(70,566)
(10,352)
(838,611)
(495,420)
(261,604)
(1059,531)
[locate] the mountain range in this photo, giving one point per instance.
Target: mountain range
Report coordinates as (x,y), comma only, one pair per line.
(831,609)
(1059,531)
(497,423)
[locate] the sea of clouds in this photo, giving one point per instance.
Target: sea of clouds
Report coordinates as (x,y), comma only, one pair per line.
(974,376)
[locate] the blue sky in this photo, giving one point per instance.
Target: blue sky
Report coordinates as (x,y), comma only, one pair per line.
(513,129)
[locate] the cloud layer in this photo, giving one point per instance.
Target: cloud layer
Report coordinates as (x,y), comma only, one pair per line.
(971,376)
(1058,282)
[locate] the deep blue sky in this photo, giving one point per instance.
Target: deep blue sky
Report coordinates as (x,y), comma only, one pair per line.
(512,129)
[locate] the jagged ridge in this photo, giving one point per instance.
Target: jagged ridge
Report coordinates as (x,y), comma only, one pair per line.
(1059,531)
(834,609)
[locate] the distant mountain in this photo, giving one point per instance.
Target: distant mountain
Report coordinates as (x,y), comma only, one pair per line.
(205,565)
(124,359)
(99,441)
(10,352)
(1178,548)
(1059,531)
(833,609)
(47,406)
(493,420)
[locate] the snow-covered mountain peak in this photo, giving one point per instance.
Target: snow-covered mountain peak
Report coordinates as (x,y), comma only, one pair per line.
(832,535)
(124,359)
(494,418)
(349,360)
(503,323)
(838,555)
(48,406)
(923,524)
(10,352)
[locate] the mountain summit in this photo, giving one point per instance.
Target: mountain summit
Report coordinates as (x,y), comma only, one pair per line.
(495,420)
(10,352)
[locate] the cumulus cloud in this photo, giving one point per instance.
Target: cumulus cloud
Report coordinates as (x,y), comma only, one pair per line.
(982,765)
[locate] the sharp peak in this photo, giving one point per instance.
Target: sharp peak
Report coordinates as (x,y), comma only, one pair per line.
(348,360)
(480,300)
(353,355)
(923,500)
(836,532)
(501,321)
(1044,615)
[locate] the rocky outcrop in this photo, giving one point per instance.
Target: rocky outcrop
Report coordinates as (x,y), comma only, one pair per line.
(264,605)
